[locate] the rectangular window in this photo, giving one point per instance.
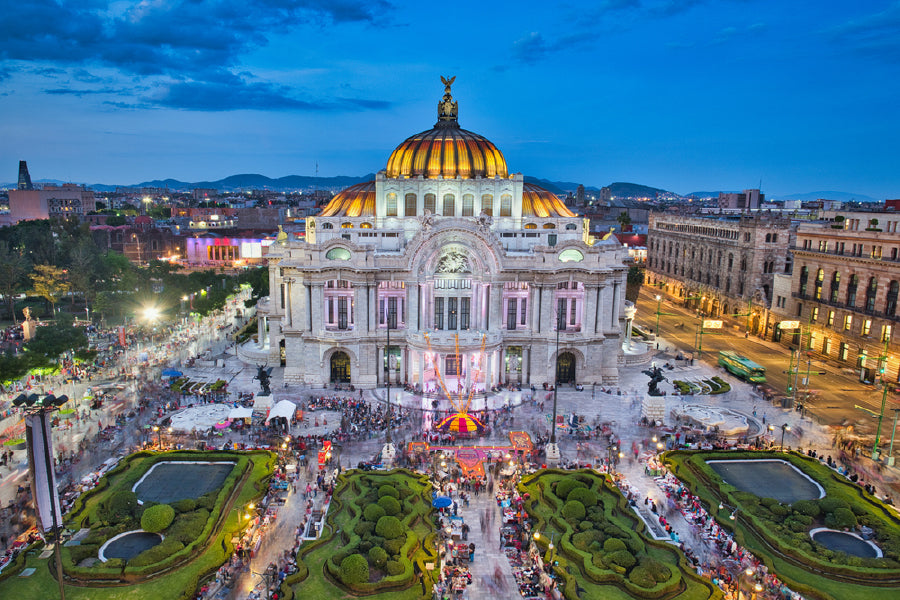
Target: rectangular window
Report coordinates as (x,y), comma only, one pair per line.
(392,312)
(449,205)
(831,318)
(282,295)
(848,322)
(886,333)
(429,203)
(826,347)
(381,312)
(330,303)
(468,205)
(511,307)
(505,205)
(410,205)
(844,351)
(451,313)
(815,314)
(464,313)
(487,204)
(561,314)
(391,208)
(342,312)
(799,309)
(522,309)
(867,326)
(439,312)
(572,303)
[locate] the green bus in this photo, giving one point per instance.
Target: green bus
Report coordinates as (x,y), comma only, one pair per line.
(742,366)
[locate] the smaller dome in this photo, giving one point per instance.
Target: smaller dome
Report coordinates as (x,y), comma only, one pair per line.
(355,201)
(541,203)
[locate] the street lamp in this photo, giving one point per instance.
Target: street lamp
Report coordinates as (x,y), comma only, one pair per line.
(784,427)
(158,436)
(38,409)
(550,546)
(658,301)
(552,451)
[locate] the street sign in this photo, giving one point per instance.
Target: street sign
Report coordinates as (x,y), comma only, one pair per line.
(789,324)
(710,324)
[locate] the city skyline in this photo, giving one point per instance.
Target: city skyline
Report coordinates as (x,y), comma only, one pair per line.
(682,95)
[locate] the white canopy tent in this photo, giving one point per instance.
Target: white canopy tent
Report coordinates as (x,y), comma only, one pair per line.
(284,408)
(240,413)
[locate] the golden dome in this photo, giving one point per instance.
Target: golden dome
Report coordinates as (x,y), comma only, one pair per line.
(355,201)
(538,202)
(446,150)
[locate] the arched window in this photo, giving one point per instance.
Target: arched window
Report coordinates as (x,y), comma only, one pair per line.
(487,204)
(530,226)
(820,279)
(571,227)
(449,205)
(327,226)
(506,205)
(410,205)
(851,290)
(743,264)
(835,286)
(719,259)
(871,292)
(804,275)
(768,237)
(549,225)
(890,304)
(468,205)
(346,225)
(429,203)
(391,205)
(730,260)
(365,226)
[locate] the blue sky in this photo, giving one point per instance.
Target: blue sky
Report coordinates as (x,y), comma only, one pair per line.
(685,95)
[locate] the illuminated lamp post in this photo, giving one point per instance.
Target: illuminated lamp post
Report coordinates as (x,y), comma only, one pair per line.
(37,410)
(784,427)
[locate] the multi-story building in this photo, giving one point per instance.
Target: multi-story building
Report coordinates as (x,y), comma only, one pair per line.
(843,292)
(51,202)
(723,265)
(746,200)
(476,277)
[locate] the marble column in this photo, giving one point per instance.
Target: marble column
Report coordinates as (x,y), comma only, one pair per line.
(421,357)
(496,303)
(300,305)
(589,309)
(318,305)
(288,313)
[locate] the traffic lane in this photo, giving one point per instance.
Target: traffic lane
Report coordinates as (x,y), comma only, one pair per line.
(837,391)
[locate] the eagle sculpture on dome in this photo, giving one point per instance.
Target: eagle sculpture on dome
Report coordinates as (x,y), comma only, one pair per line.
(447,83)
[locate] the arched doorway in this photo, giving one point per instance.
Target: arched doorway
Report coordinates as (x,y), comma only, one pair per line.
(282,353)
(565,368)
(340,368)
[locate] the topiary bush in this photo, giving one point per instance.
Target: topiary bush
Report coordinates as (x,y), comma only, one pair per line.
(573,511)
(641,577)
(373,512)
(378,556)
(119,506)
(388,490)
(364,528)
(390,505)
(806,507)
(587,497)
(567,485)
(394,567)
(622,558)
(157,517)
(393,546)
(830,503)
(354,570)
(613,545)
(389,527)
(841,518)
(184,505)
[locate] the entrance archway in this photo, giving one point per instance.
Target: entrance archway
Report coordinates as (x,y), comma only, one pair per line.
(340,368)
(565,367)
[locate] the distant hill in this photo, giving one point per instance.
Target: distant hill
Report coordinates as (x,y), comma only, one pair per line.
(708,194)
(840,196)
(259,182)
(622,189)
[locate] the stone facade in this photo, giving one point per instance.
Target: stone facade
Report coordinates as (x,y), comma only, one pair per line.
(843,291)
(469,271)
(722,265)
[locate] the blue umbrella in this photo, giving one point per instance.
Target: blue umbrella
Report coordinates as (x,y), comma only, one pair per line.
(171,373)
(441,502)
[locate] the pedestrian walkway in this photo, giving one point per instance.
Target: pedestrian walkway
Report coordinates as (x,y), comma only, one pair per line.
(483,518)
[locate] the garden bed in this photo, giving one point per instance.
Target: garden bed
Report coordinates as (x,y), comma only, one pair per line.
(602,550)
(197,532)
(779,532)
(379,535)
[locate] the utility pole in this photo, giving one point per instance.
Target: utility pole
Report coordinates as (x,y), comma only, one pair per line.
(882,367)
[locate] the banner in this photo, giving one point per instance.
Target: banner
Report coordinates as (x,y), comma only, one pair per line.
(121,335)
(40,457)
(789,325)
(710,324)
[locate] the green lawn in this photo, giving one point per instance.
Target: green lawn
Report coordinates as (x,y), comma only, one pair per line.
(778,532)
(180,582)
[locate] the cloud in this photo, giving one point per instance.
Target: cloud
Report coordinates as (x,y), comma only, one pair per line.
(80,93)
(874,34)
(183,40)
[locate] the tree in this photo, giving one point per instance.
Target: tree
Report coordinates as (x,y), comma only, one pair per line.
(50,283)
(53,340)
(83,262)
(12,267)
(624,220)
